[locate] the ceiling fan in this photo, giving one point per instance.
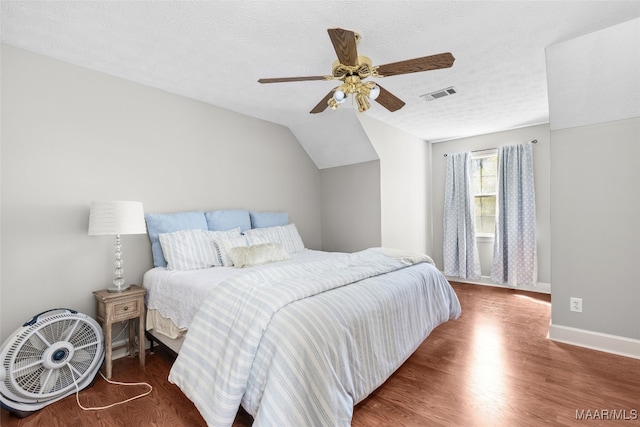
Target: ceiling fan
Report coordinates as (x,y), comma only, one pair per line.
(352,69)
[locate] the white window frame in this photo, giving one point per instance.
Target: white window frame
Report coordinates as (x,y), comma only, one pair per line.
(480,154)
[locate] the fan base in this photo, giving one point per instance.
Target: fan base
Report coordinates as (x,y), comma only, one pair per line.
(21,413)
(18,413)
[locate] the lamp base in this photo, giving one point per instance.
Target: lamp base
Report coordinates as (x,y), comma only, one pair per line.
(115,289)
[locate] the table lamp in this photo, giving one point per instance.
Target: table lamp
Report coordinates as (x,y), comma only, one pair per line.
(114,218)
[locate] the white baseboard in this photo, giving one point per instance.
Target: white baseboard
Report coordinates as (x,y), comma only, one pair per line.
(595,340)
(541,287)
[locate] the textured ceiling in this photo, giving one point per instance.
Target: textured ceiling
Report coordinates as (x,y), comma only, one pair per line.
(215,51)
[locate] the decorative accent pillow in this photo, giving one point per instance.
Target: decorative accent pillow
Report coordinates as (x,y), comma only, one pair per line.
(264,253)
(268,219)
(167,223)
(193,249)
(225,244)
(285,235)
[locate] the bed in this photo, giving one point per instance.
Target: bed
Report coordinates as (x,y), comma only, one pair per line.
(294,336)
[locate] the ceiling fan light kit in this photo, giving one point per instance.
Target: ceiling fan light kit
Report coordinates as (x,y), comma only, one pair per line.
(362,92)
(352,69)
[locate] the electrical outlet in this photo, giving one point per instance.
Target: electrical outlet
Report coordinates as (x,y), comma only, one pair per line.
(575,304)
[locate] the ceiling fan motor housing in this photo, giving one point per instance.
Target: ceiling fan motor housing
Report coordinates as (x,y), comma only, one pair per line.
(51,356)
(363,69)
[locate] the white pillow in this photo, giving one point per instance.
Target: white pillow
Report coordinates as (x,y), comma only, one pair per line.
(225,244)
(264,253)
(285,235)
(192,249)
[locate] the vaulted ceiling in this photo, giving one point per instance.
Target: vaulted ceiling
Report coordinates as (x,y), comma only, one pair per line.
(215,51)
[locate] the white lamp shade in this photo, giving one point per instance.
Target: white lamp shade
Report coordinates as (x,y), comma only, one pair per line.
(112,218)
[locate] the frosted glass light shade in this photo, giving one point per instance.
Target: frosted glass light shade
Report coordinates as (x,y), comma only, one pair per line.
(375,92)
(339,96)
(116,217)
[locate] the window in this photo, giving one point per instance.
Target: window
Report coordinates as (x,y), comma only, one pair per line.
(484,181)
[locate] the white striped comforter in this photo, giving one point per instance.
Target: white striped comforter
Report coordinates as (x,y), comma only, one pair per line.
(300,344)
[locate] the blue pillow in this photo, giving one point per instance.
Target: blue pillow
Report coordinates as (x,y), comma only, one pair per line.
(168,223)
(268,219)
(228,219)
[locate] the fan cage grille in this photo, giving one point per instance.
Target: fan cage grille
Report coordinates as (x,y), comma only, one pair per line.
(51,355)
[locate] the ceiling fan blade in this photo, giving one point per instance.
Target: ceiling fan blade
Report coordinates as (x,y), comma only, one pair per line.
(426,63)
(389,100)
(344,43)
(322,105)
(290,79)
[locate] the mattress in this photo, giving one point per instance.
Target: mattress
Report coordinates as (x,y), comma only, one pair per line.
(173,297)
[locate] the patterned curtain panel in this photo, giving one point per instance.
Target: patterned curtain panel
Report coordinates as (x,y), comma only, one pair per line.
(514,250)
(459,250)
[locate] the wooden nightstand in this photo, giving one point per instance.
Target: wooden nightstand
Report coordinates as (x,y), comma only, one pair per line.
(114,307)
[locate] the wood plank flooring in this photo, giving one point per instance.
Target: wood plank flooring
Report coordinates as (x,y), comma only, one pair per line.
(492,367)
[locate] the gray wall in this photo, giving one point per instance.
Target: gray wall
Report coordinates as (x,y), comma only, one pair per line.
(594,99)
(71,135)
(541,166)
(382,203)
(351,207)
(404,186)
(596,227)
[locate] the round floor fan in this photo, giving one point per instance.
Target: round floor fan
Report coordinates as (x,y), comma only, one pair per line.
(47,358)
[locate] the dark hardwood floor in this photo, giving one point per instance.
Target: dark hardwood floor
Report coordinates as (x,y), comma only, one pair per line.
(492,367)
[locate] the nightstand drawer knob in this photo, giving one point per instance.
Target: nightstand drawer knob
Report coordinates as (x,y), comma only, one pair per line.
(126,308)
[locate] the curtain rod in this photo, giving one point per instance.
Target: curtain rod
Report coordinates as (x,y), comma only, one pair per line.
(535,141)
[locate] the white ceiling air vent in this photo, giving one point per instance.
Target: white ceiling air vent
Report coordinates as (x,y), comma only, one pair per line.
(438,94)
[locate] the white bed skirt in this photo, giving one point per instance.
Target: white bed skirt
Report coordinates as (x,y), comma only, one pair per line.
(157,323)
